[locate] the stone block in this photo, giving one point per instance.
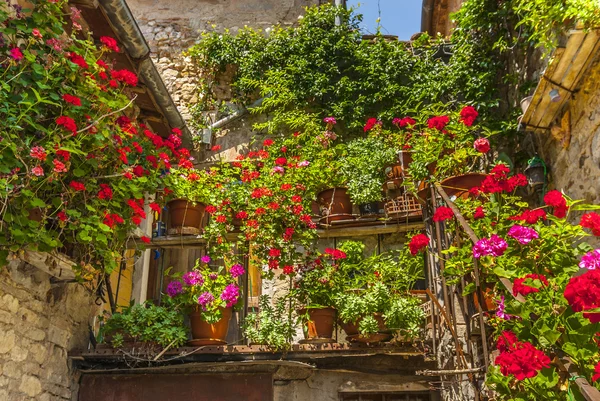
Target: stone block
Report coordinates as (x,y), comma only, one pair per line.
(18,353)
(58,336)
(39,353)
(10,303)
(7,341)
(33,333)
(30,385)
(7,317)
(12,369)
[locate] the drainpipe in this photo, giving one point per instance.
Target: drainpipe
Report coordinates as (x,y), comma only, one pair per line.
(339,3)
(207,132)
(123,23)
(426,17)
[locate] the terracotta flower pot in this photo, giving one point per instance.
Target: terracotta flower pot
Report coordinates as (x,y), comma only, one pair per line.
(487,293)
(320,322)
(351,329)
(203,331)
(183,213)
(459,186)
(335,205)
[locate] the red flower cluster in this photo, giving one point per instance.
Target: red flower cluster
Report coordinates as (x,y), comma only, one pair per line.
(137,205)
(105,192)
(110,43)
(59,167)
(67,123)
(281,161)
(125,76)
(520,288)
(403,122)
(519,358)
(438,123)
(592,221)
(74,100)
(241,215)
(267,143)
(555,199)
(596,375)
(287,269)
(77,186)
(37,152)
(371,122)
(155,207)
(468,115)
(210,209)
(583,293)
(77,59)
(417,243)
(62,216)
(479,213)
(482,145)
(498,180)
(288,234)
(443,213)
(274,253)
(64,154)
(112,220)
(335,253)
(530,216)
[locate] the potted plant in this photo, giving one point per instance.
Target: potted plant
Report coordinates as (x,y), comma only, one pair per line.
(208,295)
(144,323)
(272,325)
(190,191)
(378,301)
(363,170)
(316,286)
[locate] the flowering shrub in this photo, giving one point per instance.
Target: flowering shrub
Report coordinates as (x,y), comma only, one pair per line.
(205,290)
(73,166)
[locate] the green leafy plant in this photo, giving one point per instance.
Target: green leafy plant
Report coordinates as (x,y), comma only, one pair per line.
(272,325)
(145,323)
(363,168)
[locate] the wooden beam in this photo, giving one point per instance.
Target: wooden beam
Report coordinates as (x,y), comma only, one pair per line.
(589,392)
(57,265)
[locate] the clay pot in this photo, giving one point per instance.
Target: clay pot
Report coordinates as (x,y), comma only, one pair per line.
(459,186)
(183,213)
(351,329)
(335,205)
(202,330)
(487,293)
(398,170)
(320,323)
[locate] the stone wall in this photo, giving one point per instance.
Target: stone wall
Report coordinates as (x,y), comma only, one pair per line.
(576,170)
(171,27)
(39,323)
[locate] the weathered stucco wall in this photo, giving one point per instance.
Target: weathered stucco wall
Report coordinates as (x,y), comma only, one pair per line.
(39,324)
(576,170)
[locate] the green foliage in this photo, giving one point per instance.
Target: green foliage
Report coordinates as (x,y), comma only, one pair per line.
(146,323)
(272,325)
(363,169)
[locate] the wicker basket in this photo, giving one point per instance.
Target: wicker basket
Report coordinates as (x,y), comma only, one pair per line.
(403,205)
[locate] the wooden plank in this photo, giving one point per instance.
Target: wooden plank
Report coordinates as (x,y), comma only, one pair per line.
(57,265)
(571,77)
(369,230)
(589,392)
(546,105)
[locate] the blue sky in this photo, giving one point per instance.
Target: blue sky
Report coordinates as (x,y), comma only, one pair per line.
(398,17)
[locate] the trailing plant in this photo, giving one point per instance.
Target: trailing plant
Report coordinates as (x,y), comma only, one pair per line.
(363,169)
(272,325)
(145,323)
(74,163)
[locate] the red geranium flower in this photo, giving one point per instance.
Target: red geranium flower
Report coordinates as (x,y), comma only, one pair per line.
(77,59)
(59,167)
(77,186)
(105,192)
(371,122)
(210,209)
(287,269)
(125,76)
(296,198)
(530,216)
(37,152)
(64,154)
(274,253)
(555,199)
(16,54)
(335,253)
(592,221)
(438,123)
(62,216)
(154,206)
(417,243)
(110,43)
(583,293)
(482,145)
(241,215)
(479,213)
(145,239)
(468,115)
(596,372)
(216,148)
(267,142)
(520,288)
(281,161)
(67,123)
(522,360)
(443,213)
(74,100)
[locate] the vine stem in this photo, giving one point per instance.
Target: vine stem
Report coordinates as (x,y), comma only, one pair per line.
(107,115)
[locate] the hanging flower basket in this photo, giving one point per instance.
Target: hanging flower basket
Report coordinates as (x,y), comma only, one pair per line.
(183,213)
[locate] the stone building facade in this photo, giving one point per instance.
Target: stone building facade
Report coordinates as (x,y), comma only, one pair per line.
(40,322)
(171,27)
